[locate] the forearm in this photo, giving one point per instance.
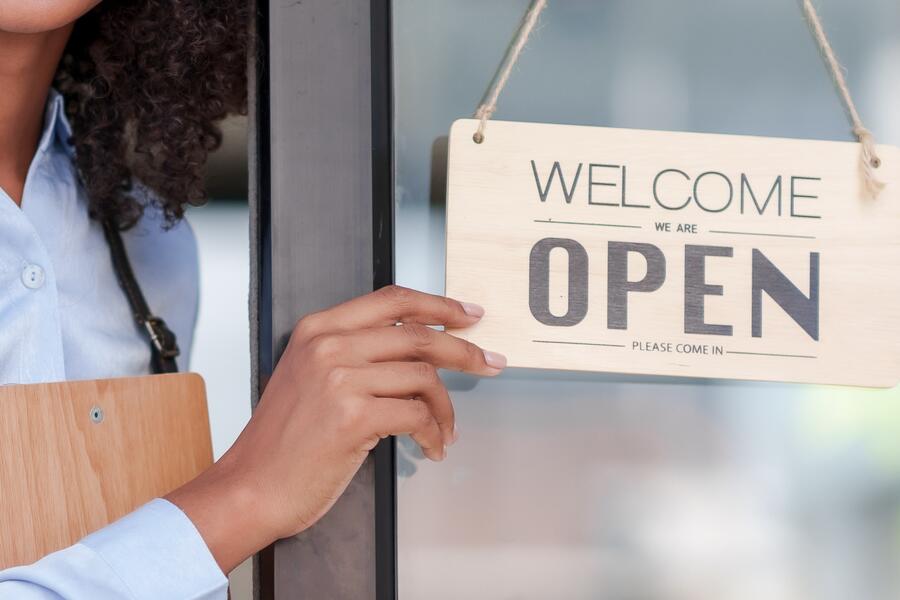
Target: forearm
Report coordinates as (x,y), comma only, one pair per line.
(223,505)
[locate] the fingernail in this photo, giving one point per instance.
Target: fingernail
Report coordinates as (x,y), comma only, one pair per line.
(473,310)
(444,455)
(495,360)
(451,436)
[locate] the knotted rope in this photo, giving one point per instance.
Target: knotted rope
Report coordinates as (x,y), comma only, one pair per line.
(868,153)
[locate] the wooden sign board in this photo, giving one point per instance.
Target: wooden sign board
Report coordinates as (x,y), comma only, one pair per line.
(676,253)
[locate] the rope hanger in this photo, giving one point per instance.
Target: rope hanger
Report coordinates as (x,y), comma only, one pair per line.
(868,156)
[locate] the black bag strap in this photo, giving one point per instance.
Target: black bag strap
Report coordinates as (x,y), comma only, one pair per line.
(163,345)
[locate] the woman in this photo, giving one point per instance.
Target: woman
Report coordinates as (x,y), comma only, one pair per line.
(107,117)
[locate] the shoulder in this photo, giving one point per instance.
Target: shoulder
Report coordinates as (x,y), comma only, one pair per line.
(166,264)
(161,251)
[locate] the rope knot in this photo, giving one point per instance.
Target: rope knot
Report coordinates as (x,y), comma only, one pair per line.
(869,160)
(483,113)
(867,140)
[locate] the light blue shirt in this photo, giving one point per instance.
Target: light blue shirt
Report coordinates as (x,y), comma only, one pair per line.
(62,312)
(63,316)
(155,553)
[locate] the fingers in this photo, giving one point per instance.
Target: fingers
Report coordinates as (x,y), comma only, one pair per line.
(417,380)
(389,306)
(396,416)
(416,342)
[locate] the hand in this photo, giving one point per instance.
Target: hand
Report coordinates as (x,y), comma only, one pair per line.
(350,375)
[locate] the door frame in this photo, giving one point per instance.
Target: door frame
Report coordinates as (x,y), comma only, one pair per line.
(321,206)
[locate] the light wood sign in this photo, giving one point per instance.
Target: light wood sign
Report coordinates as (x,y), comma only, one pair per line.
(676,253)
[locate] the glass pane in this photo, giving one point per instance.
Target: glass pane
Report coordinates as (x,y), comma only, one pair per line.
(606,486)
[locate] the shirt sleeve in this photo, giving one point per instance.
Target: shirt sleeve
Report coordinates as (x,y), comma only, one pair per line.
(154,552)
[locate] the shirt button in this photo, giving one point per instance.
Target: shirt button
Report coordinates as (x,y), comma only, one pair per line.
(33,277)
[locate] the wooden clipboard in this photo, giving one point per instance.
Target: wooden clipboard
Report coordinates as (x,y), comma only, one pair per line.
(76,456)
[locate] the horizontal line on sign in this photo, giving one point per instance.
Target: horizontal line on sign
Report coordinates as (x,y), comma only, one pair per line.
(585,223)
(771,354)
(781,235)
(578,343)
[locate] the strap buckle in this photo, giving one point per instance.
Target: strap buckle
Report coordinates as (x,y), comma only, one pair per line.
(162,337)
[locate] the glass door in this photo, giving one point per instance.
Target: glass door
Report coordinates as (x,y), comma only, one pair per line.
(607,486)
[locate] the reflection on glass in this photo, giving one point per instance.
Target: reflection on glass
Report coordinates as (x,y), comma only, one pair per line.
(570,485)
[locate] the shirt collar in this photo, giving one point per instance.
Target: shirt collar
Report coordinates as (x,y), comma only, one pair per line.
(56,125)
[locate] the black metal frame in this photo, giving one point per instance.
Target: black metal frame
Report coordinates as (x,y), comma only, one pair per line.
(260,241)
(320,561)
(383,274)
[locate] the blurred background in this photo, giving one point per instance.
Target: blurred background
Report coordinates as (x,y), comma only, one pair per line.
(634,488)
(221,349)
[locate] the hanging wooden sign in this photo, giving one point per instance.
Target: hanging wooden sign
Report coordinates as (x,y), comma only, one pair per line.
(676,253)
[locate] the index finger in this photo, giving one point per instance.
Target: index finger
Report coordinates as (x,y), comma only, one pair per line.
(391,305)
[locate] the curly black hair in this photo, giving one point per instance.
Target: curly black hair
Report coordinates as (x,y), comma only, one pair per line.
(145,83)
